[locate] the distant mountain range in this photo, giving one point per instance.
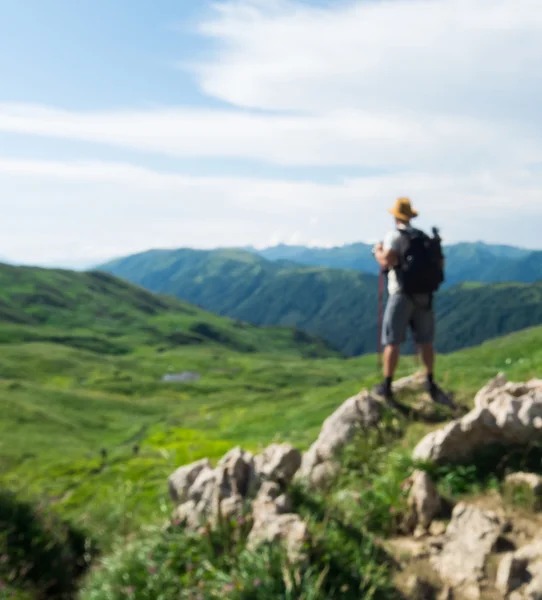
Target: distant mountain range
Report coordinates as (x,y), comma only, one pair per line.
(338,304)
(476,262)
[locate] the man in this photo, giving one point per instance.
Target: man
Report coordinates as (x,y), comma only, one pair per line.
(405,308)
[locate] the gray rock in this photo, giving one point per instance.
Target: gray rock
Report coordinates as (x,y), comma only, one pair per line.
(511,573)
(183,478)
(278,462)
(424,501)
(470,538)
(357,412)
(506,413)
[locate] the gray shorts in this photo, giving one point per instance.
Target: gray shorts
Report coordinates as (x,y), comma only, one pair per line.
(403,312)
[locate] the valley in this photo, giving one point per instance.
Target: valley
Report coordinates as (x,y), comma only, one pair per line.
(339,305)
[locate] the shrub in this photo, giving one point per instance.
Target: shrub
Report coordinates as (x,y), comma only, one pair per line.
(39,553)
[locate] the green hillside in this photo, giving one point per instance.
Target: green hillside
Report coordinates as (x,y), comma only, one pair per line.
(97,311)
(89,436)
(339,305)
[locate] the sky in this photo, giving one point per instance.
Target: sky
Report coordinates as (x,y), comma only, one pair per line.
(131,125)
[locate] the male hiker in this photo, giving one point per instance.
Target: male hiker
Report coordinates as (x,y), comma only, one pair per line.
(414,264)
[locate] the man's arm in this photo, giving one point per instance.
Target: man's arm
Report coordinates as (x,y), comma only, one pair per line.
(387,258)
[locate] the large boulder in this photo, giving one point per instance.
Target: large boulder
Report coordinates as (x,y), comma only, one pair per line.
(319,465)
(470,538)
(506,414)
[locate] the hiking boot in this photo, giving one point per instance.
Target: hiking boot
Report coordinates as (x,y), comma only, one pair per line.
(437,395)
(384,391)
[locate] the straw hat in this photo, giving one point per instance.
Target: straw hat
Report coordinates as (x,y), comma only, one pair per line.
(403,210)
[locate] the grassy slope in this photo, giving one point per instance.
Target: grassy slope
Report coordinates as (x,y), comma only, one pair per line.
(99,312)
(61,405)
(340,305)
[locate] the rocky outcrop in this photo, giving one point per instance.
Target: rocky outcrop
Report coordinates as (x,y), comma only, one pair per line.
(506,413)
(319,464)
(424,502)
(273,522)
(470,538)
(206,495)
(521,572)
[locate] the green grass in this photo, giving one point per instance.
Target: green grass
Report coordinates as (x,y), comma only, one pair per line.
(90,432)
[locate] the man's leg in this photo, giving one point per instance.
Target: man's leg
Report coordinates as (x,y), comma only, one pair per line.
(391,360)
(428,358)
(396,319)
(423,323)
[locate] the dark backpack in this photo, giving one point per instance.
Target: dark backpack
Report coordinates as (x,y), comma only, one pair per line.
(420,269)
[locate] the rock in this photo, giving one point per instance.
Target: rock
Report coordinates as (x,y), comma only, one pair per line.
(187,514)
(410,383)
(511,573)
(237,470)
(183,478)
(446,594)
(470,538)
(406,548)
(231,508)
(506,413)
(323,474)
(437,528)
(271,524)
(532,553)
(357,412)
(485,395)
(424,501)
(519,568)
(530,480)
(205,479)
(534,590)
(418,589)
(278,462)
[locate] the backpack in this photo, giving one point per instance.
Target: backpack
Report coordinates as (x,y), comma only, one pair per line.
(420,269)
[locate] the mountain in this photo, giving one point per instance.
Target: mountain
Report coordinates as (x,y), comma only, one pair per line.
(338,304)
(352,256)
(479,262)
(96,311)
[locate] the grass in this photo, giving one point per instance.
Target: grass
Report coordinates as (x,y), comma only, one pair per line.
(89,432)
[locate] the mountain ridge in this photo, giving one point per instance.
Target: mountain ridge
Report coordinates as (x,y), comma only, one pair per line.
(337,304)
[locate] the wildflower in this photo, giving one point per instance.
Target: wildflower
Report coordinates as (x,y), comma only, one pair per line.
(152,570)
(257,583)
(228,587)
(392,510)
(189,567)
(241,521)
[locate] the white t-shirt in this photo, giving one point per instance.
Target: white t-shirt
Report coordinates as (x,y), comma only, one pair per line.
(391,242)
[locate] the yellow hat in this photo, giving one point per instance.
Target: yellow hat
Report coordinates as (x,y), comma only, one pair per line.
(403,210)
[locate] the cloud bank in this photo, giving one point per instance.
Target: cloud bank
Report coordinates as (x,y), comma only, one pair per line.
(442,95)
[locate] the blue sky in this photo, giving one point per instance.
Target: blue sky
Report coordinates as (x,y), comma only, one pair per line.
(129,124)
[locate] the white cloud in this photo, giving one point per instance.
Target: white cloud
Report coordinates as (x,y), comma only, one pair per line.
(55,210)
(443,94)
